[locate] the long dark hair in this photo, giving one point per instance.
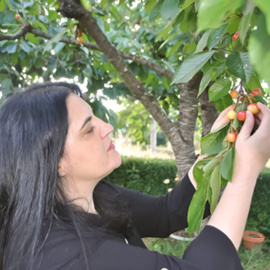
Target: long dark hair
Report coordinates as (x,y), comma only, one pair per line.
(33,129)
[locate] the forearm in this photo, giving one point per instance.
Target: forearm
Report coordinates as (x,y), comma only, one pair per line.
(231,214)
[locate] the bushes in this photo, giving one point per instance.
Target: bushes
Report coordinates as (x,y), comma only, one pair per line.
(145,175)
(259,215)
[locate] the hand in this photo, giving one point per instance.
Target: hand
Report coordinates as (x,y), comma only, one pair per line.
(253,151)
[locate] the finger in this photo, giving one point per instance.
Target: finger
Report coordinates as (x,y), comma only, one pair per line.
(222,118)
(265,118)
(247,126)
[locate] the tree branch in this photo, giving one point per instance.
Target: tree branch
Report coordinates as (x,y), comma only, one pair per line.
(21,32)
(27,28)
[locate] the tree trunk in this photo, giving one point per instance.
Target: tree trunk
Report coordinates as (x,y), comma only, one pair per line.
(209,112)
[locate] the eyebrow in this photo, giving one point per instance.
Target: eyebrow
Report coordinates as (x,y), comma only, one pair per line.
(88,119)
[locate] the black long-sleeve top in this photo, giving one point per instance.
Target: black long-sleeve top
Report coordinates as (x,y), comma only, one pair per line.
(152,217)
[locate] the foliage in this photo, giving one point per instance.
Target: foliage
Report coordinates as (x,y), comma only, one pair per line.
(255,259)
(134,122)
(145,175)
(258,219)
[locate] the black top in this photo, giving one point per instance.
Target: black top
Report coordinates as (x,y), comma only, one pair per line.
(152,217)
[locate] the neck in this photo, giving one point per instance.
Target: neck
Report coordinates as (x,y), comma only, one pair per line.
(81,194)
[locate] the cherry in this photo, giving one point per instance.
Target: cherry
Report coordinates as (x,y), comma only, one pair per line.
(235,36)
(17,16)
(241,115)
(253,107)
(79,40)
(234,94)
(231,114)
(231,137)
(256,92)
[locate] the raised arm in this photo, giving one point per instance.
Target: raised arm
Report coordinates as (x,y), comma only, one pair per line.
(251,154)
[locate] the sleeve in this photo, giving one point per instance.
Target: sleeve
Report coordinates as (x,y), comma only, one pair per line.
(212,250)
(163,215)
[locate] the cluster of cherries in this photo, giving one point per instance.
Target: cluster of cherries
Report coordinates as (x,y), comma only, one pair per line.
(241,115)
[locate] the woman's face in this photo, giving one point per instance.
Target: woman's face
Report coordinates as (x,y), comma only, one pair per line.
(89,152)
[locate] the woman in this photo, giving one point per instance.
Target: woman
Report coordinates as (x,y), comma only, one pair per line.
(56,212)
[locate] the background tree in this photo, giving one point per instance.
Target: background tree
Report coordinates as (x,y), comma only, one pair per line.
(163,53)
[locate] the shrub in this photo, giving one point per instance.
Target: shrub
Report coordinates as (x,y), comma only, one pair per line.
(145,175)
(259,215)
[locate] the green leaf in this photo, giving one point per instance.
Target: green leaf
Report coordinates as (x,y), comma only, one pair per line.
(2,5)
(254,82)
(244,26)
(203,41)
(260,99)
(206,79)
(215,183)
(187,3)
(209,167)
(265,7)
(59,46)
(219,89)
(26,47)
(191,66)
(169,9)
(150,4)
(6,83)
(197,205)
(212,143)
(226,166)
(39,25)
(165,32)
(173,49)
(155,12)
(259,49)
(223,103)
(211,12)
(32,38)
(86,4)
(216,35)
(56,39)
(9,48)
(239,65)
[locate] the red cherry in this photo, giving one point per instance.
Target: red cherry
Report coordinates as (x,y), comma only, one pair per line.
(17,16)
(256,92)
(231,137)
(241,115)
(235,36)
(79,40)
(253,107)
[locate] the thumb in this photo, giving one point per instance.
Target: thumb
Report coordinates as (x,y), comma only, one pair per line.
(247,126)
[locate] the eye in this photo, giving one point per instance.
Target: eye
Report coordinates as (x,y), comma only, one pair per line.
(91,129)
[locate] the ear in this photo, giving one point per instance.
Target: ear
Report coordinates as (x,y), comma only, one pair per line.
(62,167)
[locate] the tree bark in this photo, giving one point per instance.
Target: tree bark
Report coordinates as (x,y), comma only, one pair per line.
(209,113)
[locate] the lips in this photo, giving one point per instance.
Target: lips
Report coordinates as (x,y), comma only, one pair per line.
(111,147)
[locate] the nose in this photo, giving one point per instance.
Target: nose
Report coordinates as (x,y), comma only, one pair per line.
(106,129)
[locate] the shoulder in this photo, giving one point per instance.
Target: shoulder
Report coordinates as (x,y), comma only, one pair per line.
(64,247)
